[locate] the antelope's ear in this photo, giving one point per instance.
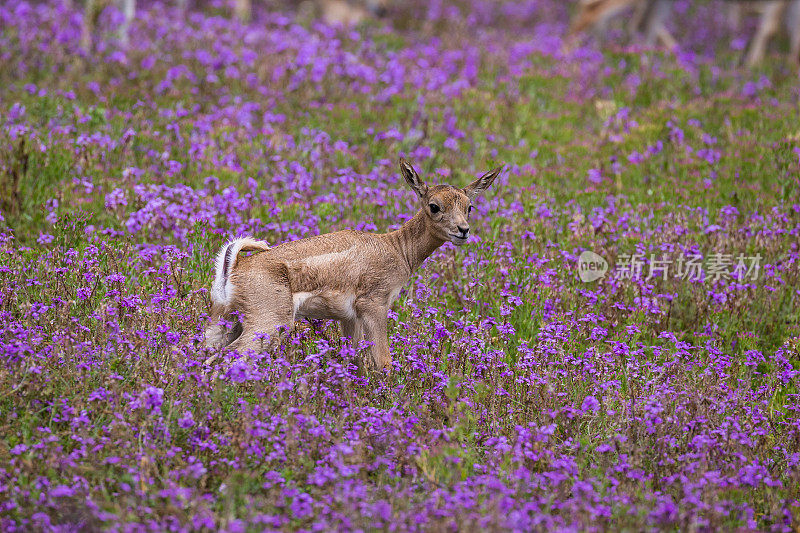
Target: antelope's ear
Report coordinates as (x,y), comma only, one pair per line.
(481,184)
(413,179)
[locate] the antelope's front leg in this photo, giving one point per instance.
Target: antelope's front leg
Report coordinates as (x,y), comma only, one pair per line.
(375,323)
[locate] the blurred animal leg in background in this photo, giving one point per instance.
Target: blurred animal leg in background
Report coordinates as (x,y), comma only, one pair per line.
(594,15)
(769,24)
(735,15)
(91,15)
(243,10)
(649,17)
(637,19)
(654,24)
(128,12)
(793,29)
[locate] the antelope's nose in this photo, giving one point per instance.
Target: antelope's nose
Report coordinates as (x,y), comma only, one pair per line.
(464,231)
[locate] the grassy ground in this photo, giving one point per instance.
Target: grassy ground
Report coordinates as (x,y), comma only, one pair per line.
(521,397)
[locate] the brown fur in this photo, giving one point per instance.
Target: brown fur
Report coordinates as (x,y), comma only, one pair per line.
(350,276)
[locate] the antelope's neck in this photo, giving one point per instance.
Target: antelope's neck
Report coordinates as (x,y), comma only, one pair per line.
(415,240)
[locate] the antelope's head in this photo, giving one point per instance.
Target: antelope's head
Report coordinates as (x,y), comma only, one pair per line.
(447,208)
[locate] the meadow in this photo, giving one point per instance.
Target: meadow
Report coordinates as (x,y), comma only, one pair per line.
(657,397)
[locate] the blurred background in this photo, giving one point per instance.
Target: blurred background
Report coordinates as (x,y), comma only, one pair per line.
(747,29)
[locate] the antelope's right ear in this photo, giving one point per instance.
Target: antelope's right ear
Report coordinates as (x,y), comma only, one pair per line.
(413,179)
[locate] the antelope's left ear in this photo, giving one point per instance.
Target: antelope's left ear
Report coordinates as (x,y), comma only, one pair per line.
(481,184)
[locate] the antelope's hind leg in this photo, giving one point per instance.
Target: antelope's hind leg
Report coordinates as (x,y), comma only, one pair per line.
(352,328)
(223,330)
(217,336)
(265,304)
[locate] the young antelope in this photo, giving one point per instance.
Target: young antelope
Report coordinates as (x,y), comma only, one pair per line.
(350,276)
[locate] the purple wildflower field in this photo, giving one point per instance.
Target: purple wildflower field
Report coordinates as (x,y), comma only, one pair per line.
(661,396)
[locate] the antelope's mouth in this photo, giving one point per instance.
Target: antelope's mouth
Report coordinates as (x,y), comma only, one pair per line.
(458,240)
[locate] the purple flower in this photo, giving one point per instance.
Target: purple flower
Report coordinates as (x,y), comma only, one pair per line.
(186,421)
(19,449)
(590,404)
(152,397)
(61,491)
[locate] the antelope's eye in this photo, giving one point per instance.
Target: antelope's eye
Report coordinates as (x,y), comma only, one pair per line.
(434,208)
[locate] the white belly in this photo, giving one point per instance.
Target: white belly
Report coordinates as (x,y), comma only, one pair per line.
(325,304)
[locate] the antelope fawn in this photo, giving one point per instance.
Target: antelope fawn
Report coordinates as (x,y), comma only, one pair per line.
(350,276)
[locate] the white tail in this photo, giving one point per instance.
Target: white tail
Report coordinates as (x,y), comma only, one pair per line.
(222,289)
